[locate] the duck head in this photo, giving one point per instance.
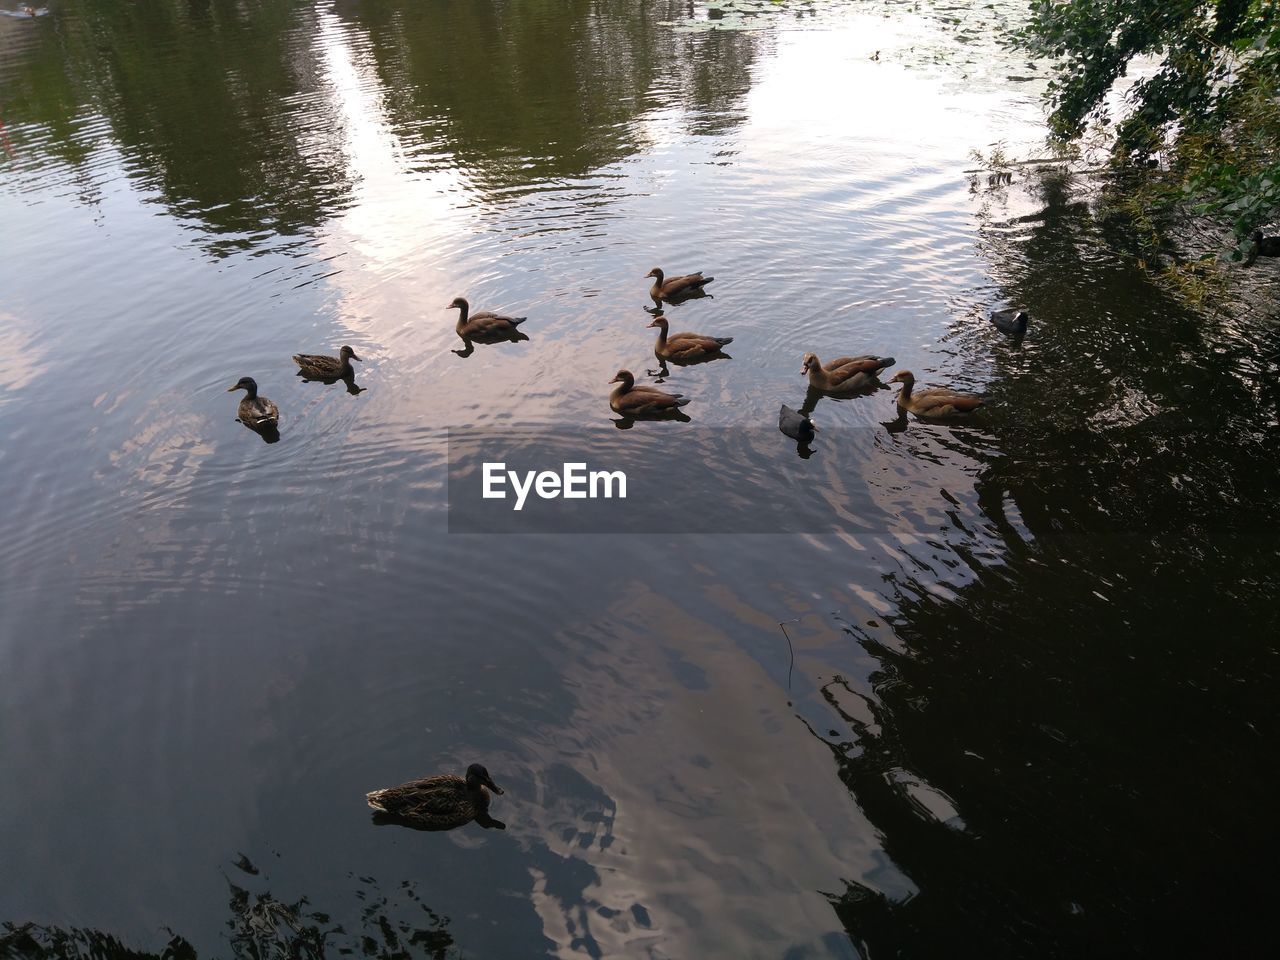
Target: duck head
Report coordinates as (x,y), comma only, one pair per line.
(903,376)
(478,776)
(658,321)
(245,383)
(625,378)
(810,363)
(656,273)
(458,303)
(346,353)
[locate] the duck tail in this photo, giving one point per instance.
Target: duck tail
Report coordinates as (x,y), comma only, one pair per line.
(374,799)
(516,321)
(886,362)
(723,341)
(703,281)
(681,401)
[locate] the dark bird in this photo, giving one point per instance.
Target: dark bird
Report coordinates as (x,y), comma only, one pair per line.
(935,402)
(677,287)
(438,803)
(314,366)
(255,411)
(1265,246)
(1011,320)
(632,401)
(484,327)
(686,347)
(844,375)
(796,425)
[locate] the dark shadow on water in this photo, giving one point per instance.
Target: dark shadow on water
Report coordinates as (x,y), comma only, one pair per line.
(262,927)
(469,343)
(269,433)
(391,820)
(353,388)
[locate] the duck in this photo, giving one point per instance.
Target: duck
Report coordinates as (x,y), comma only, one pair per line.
(796,425)
(632,401)
(255,411)
(483,326)
(936,402)
(1010,320)
(844,375)
(1266,246)
(676,287)
(441,802)
(316,367)
(686,347)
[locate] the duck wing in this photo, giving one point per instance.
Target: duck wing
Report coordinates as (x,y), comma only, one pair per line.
(317,364)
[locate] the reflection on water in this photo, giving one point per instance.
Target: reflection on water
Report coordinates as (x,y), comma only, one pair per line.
(1021,705)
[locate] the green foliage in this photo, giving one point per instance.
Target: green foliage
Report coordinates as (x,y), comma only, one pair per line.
(1207,100)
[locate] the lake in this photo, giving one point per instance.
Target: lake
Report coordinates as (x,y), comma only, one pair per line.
(1000,688)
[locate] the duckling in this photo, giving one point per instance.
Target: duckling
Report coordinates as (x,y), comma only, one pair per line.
(844,375)
(316,367)
(686,347)
(936,402)
(677,287)
(255,411)
(1011,320)
(441,802)
(483,327)
(632,401)
(796,425)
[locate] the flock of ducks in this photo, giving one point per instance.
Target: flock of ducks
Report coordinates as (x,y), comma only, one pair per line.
(842,377)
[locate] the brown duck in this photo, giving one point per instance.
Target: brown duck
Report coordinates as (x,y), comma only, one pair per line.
(441,802)
(483,326)
(844,375)
(676,287)
(632,401)
(317,367)
(686,347)
(935,402)
(254,411)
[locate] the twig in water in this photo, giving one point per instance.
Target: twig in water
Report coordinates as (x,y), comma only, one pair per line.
(791,649)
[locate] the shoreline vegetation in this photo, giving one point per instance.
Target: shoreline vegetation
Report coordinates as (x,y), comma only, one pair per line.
(1192,150)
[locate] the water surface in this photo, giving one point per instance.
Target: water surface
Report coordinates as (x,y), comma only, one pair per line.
(1021,703)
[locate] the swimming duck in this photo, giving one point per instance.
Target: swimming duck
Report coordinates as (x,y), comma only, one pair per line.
(441,802)
(316,367)
(483,327)
(255,411)
(844,375)
(632,401)
(676,287)
(796,425)
(686,347)
(1011,320)
(934,402)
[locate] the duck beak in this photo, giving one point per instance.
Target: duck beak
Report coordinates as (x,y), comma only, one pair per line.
(493,786)
(616,380)
(355,356)
(654,324)
(233,388)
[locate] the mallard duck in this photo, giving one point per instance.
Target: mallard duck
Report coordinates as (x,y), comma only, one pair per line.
(440,802)
(845,375)
(686,347)
(1266,246)
(934,402)
(1011,320)
(255,411)
(676,287)
(796,425)
(484,326)
(632,401)
(316,367)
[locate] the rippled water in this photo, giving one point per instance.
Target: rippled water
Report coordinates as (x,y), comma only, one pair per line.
(1018,705)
